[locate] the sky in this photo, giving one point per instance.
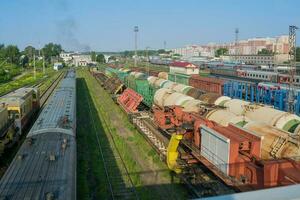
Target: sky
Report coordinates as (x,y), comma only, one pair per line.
(107,25)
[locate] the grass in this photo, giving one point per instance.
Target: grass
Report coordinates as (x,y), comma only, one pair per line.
(25,80)
(89,164)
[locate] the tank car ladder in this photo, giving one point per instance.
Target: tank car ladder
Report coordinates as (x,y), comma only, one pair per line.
(278,145)
(138,121)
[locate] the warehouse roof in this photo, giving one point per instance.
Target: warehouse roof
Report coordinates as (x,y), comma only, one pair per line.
(182,64)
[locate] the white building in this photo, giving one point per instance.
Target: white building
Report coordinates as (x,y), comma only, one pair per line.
(66,56)
(183,68)
(76,59)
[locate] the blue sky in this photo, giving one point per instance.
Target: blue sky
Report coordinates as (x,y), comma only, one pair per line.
(108,25)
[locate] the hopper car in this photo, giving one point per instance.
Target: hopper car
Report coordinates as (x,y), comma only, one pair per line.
(249,146)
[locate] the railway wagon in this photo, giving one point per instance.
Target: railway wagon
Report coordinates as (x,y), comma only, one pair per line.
(252,152)
(45,165)
(207,84)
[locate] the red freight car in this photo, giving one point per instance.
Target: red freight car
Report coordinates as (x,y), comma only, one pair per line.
(213,85)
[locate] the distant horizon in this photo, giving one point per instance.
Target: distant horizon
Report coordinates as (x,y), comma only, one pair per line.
(108,26)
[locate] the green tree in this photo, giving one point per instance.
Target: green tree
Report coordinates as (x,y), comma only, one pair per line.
(24,60)
(29,51)
(265,52)
(298,54)
(112,58)
(12,53)
(93,56)
(221,52)
(100,58)
(161,51)
(51,50)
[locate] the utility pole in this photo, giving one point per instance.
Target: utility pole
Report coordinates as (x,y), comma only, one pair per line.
(34,71)
(44,70)
(292,71)
(236,42)
(136,30)
(147,56)
(165,45)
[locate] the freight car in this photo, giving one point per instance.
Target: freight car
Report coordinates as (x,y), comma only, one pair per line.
(45,165)
(245,151)
(16,110)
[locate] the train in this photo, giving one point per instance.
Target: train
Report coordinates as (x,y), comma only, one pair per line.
(45,165)
(17,108)
(252,73)
(249,146)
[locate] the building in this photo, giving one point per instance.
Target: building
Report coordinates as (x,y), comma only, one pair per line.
(76,59)
(269,60)
(278,45)
(67,56)
(183,68)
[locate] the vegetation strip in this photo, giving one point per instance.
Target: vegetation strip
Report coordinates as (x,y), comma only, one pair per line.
(150,176)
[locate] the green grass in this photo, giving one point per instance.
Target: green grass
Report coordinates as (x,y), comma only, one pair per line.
(103,110)
(25,80)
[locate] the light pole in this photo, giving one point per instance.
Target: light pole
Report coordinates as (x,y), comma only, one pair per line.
(136,30)
(147,56)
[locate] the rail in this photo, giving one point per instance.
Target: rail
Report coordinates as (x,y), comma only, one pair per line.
(47,93)
(198,179)
(121,187)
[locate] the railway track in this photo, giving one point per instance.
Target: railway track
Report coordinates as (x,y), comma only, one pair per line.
(47,93)
(120,184)
(199,180)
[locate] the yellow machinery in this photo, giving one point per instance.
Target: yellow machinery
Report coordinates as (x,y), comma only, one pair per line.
(172,153)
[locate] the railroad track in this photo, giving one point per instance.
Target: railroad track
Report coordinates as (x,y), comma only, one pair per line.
(47,93)
(198,179)
(120,184)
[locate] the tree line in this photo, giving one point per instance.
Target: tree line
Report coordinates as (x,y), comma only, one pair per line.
(12,54)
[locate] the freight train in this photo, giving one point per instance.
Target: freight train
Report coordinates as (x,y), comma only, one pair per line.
(16,110)
(45,165)
(248,146)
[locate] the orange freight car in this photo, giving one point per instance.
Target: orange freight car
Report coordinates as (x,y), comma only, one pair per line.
(207,84)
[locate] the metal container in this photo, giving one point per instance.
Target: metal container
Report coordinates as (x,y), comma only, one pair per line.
(182,100)
(160,96)
(167,84)
(281,120)
(270,136)
(151,80)
(224,117)
(209,98)
(193,105)
(215,147)
(179,87)
(159,82)
(236,106)
(207,84)
(172,99)
(163,75)
(194,92)
(222,100)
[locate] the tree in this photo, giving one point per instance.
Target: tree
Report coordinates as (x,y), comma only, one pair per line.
(51,50)
(221,52)
(112,58)
(29,51)
(24,60)
(298,54)
(93,56)
(161,51)
(265,52)
(100,58)
(12,53)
